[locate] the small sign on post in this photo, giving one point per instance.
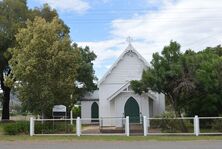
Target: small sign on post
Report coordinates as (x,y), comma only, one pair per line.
(59,111)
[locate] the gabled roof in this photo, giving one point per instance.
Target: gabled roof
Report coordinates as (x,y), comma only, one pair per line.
(129,48)
(91,96)
(122,88)
(119,91)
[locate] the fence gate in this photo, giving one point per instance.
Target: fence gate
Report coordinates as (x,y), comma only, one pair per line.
(136,125)
(131,109)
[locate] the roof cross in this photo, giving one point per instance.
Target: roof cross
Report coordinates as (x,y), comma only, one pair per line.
(129,39)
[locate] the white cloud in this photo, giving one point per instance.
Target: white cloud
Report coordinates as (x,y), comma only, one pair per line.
(68,5)
(186,21)
(160,2)
(194,24)
(104,50)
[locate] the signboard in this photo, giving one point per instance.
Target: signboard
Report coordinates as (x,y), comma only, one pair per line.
(59,111)
(59,108)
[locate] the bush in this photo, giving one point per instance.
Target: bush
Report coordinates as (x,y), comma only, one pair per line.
(16,128)
(217,125)
(56,127)
(76,112)
(168,123)
(22,127)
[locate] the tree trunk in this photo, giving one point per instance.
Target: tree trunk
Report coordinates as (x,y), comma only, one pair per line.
(6,100)
(183,127)
(181,122)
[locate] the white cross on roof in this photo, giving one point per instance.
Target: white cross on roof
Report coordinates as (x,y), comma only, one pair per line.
(129,39)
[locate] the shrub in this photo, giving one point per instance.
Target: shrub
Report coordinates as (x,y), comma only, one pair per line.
(56,127)
(217,125)
(76,112)
(15,128)
(50,127)
(169,124)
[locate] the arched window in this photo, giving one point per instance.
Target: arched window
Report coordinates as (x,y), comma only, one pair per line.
(94,112)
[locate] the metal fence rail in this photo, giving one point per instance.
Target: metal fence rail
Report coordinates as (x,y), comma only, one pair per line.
(169,126)
(53,127)
(210,125)
(123,126)
(85,126)
(103,126)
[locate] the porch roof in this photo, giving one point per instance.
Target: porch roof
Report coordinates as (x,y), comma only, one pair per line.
(124,88)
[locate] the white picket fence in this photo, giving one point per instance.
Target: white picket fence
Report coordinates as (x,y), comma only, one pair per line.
(122,126)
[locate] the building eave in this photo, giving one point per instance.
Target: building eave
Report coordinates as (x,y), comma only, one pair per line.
(118,91)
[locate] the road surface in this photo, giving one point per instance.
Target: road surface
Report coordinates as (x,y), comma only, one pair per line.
(111,145)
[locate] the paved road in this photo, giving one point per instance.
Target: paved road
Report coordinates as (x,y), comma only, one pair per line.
(112,145)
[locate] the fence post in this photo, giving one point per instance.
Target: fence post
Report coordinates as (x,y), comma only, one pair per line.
(71,118)
(145,125)
(78,126)
(31,127)
(196,126)
(127,126)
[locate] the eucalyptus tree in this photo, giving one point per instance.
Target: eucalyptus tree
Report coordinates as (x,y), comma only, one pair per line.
(13,16)
(45,64)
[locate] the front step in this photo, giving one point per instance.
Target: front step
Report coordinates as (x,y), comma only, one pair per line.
(136,128)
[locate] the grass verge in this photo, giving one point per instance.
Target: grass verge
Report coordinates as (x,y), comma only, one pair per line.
(106,138)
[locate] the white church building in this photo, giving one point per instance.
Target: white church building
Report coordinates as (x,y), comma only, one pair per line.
(116,99)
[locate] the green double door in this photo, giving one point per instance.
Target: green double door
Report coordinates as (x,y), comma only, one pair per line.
(131,109)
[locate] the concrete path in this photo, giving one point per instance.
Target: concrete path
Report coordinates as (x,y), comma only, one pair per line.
(112,145)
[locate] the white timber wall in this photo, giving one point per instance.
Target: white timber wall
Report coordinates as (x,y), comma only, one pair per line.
(158,104)
(121,100)
(86,110)
(130,67)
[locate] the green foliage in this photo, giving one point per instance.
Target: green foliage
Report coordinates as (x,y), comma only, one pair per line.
(192,82)
(45,64)
(168,123)
(13,16)
(86,74)
(50,127)
(16,128)
(168,76)
(207,98)
(138,86)
(76,112)
(217,125)
(56,127)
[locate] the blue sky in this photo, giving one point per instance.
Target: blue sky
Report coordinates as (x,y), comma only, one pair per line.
(104,25)
(94,23)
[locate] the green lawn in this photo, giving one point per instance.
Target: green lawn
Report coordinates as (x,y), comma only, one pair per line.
(106,138)
(1,128)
